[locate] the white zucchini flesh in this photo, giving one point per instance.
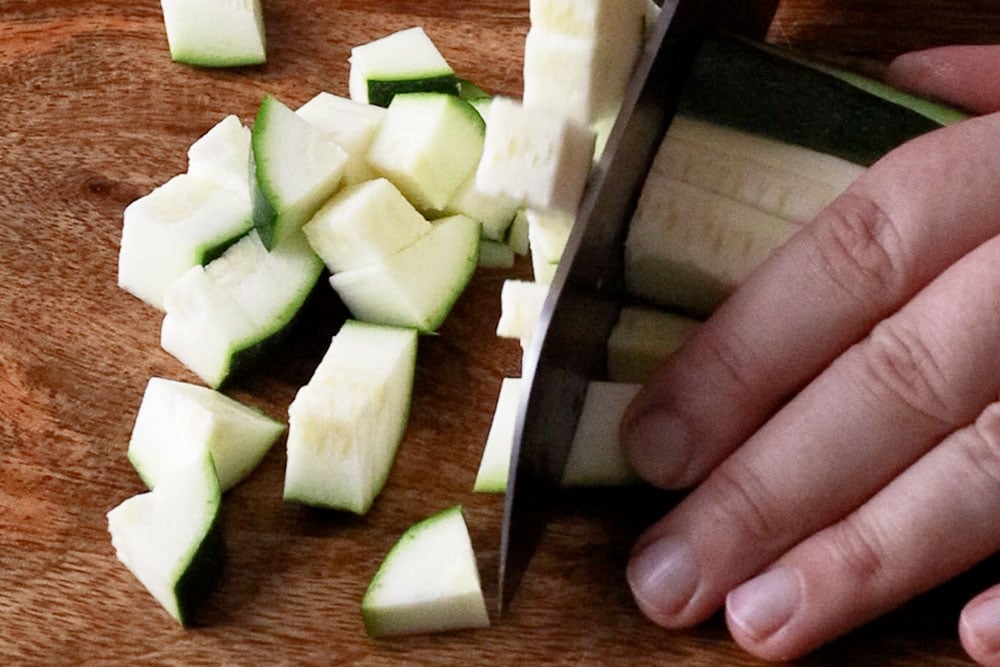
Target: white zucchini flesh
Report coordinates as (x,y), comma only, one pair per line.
(539,157)
(642,339)
(494,212)
(170,538)
(215,33)
(223,155)
(428,582)
(589,18)
(428,145)
(787,181)
(349,124)
(689,248)
(494,466)
(521,304)
(517,235)
(583,77)
(180,224)
(548,234)
(715,204)
(363,225)
(178,421)
(405,61)
(595,457)
(346,424)
(296,169)
(418,286)
(495,255)
(217,313)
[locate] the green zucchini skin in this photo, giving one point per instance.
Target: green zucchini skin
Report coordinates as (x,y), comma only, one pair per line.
(740,85)
(198,581)
(381,91)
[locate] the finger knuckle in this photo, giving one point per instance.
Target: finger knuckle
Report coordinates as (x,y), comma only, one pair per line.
(983,449)
(743,500)
(858,548)
(859,249)
(899,364)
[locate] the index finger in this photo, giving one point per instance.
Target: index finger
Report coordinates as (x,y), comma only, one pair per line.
(900,224)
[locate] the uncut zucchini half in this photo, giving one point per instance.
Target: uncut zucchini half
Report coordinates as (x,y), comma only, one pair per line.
(762,143)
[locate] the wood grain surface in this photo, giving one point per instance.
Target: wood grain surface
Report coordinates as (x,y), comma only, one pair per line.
(93,114)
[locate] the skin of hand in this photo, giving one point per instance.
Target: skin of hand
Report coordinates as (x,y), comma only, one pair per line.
(838,418)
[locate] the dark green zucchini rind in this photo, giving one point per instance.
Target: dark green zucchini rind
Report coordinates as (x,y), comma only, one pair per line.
(381,91)
(759,90)
(201,574)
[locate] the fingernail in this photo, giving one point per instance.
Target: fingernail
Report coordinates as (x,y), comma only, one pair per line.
(658,447)
(663,576)
(763,605)
(982,620)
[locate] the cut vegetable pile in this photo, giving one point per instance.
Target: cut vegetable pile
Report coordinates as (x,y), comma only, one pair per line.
(399,192)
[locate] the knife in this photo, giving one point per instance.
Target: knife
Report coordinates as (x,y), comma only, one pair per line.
(569,347)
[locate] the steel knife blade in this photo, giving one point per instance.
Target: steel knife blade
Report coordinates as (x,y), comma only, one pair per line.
(569,346)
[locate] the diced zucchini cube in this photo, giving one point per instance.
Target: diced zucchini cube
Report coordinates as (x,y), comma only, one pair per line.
(584,77)
(349,124)
(403,62)
(428,146)
(178,421)
(297,168)
(181,224)
(363,225)
(596,19)
(418,286)
(215,33)
(347,422)
(539,157)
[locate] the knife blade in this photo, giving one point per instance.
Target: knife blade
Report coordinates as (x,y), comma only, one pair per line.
(569,347)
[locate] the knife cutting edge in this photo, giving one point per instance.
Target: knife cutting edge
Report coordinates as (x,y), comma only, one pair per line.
(569,348)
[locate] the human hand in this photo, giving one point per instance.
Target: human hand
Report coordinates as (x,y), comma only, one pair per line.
(839,416)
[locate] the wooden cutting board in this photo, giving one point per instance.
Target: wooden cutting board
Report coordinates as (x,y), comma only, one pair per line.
(93,114)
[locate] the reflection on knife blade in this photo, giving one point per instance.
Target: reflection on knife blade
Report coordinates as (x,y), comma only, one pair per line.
(569,348)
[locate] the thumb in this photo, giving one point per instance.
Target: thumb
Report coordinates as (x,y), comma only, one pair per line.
(964,76)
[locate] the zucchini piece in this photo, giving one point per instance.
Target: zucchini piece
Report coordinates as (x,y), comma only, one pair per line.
(642,339)
(689,248)
(494,212)
(538,157)
(349,124)
(517,234)
(596,19)
(363,225)
(171,538)
(418,286)
(780,179)
(220,316)
(178,421)
(185,222)
(738,84)
(346,424)
(296,168)
(494,466)
(595,457)
(521,304)
(403,62)
(223,155)
(428,582)
(583,77)
(495,255)
(935,111)
(428,146)
(215,33)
